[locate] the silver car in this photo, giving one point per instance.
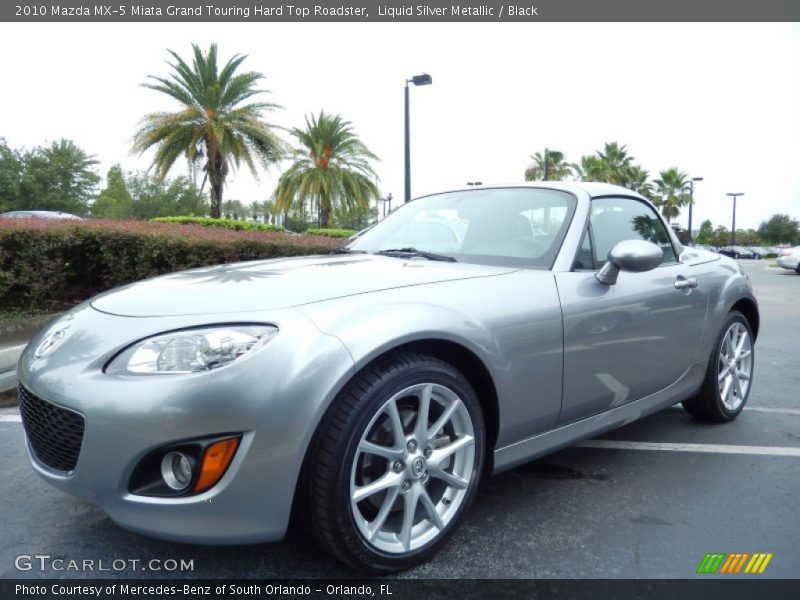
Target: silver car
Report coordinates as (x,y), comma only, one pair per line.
(371,390)
(790,258)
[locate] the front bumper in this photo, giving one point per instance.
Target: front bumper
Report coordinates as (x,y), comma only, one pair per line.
(274,398)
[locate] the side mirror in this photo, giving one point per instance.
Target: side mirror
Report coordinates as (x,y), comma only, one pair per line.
(629,255)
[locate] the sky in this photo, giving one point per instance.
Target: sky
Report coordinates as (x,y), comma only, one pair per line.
(718,101)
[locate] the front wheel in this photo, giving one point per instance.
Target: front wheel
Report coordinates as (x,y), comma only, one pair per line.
(729,375)
(395,464)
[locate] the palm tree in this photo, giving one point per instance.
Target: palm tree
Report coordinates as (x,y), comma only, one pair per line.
(671,192)
(590,168)
(615,163)
(218,120)
(331,168)
(637,180)
(557,168)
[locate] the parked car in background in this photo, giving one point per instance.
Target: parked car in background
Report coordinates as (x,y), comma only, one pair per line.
(706,247)
(38,214)
(790,258)
(737,252)
(371,390)
(758,251)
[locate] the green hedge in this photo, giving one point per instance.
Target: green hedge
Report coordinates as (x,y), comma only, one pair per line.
(52,264)
(333,233)
(226,223)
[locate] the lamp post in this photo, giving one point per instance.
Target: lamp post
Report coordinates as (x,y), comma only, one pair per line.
(423,79)
(386,200)
(733,225)
(691,204)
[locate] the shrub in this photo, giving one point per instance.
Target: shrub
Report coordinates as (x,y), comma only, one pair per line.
(334,233)
(226,223)
(51,264)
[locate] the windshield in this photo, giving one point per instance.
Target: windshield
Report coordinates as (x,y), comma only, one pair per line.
(497,226)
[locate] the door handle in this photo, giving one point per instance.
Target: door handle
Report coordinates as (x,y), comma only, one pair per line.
(682,283)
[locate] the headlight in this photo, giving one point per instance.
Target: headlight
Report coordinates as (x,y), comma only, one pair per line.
(191,351)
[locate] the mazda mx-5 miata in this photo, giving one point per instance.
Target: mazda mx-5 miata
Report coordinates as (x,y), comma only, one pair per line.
(370,390)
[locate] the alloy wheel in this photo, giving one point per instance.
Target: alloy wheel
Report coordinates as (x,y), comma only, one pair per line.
(735,366)
(412,468)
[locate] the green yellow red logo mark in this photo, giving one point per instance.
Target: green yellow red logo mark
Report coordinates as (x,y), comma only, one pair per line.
(736,562)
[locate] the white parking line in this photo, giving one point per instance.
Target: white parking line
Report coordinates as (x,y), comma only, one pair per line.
(778,411)
(707,448)
(10,419)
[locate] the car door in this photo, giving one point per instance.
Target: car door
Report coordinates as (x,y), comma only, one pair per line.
(628,340)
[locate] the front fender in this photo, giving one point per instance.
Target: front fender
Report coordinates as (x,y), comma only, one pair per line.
(511,323)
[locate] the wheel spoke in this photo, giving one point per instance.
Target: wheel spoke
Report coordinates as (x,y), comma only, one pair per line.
(421,429)
(444,418)
(740,344)
(450,479)
(410,501)
(434,515)
(744,355)
(728,345)
(441,454)
(388,502)
(738,383)
(397,425)
(745,376)
(726,389)
(365,491)
(384,451)
(723,374)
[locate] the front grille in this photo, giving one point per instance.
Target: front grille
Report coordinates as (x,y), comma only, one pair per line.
(54,433)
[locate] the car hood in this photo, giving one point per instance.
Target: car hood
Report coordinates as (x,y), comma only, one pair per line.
(282,283)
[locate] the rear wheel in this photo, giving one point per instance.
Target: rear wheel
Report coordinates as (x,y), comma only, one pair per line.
(394,464)
(729,375)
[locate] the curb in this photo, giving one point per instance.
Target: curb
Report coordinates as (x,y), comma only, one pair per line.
(19,331)
(14,336)
(9,397)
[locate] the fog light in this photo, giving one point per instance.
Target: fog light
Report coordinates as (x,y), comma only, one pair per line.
(176,470)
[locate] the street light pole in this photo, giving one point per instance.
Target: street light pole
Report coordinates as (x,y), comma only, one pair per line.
(733,225)
(691,204)
(423,79)
(386,200)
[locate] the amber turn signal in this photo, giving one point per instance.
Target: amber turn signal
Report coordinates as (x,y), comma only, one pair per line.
(215,462)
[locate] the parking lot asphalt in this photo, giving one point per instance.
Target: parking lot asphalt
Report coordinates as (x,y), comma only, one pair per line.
(582,512)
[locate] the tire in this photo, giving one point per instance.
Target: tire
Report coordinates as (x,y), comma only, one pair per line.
(369,529)
(797,269)
(719,399)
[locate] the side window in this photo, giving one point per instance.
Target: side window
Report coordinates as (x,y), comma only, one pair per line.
(616,219)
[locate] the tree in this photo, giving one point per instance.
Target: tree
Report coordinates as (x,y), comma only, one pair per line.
(589,169)
(59,177)
(557,168)
(143,196)
(706,232)
(721,237)
(10,176)
(114,201)
(217,122)
(331,168)
(779,229)
(638,181)
(614,163)
(235,209)
(671,192)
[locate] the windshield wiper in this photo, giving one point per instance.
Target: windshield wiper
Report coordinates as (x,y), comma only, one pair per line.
(347,251)
(409,252)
